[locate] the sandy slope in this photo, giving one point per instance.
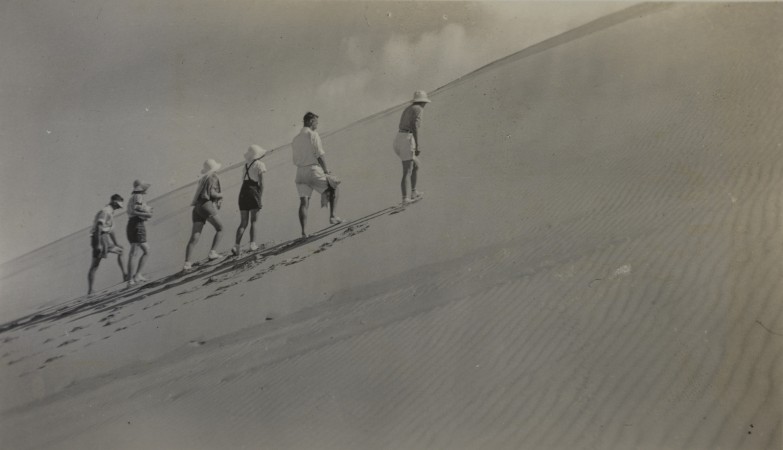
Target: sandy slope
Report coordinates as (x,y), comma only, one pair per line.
(597,264)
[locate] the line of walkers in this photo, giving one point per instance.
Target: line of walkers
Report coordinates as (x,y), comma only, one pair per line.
(312,174)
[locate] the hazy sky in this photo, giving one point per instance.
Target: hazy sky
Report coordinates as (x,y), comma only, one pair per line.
(94,94)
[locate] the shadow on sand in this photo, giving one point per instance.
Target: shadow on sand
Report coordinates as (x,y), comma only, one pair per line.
(117,296)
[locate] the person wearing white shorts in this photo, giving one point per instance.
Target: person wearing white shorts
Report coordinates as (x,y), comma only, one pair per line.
(406,144)
(311,171)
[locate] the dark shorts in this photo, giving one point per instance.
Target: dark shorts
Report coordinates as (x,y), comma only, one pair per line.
(136,231)
(249,196)
(102,245)
(204,211)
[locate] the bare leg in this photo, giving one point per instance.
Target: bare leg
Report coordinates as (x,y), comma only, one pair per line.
(332,202)
(253,218)
(304,203)
(91,274)
(414,176)
(406,175)
(131,254)
(194,236)
(121,262)
(242,226)
(145,252)
(215,222)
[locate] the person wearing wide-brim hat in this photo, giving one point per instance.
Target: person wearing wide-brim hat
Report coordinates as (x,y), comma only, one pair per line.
(206,203)
(138,213)
(250,195)
(103,240)
(407,146)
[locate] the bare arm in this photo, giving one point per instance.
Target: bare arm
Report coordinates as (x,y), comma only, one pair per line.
(322,162)
(415,131)
(138,211)
(114,238)
(319,150)
(214,189)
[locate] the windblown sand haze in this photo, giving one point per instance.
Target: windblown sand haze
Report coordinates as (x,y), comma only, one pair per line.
(597,263)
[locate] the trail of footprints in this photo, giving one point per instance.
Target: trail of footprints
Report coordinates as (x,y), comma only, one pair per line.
(226,280)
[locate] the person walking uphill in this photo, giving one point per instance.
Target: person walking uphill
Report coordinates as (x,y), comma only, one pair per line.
(138,213)
(311,171)
(206,204)
(103,240)
(250,195)
(406,144)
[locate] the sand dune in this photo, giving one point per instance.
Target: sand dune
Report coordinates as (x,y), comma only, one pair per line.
(596,264)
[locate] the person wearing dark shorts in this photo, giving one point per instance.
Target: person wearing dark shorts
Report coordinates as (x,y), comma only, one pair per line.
(103,241)
(138,213)
(206,204)
(250,195)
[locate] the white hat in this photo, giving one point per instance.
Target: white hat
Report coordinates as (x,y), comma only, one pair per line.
(211,165)
(140,186)
(117,198)
(254,152)
(420,97)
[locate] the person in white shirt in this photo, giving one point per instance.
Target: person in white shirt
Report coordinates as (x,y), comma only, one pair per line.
(311,171)
(103,240)
(250,195)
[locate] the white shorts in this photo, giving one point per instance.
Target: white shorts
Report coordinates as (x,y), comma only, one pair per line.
(310,178)
(404,145)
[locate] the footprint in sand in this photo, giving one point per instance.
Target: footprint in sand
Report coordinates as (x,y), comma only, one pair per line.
(109,317)
(217,292)
(75,329)
(11,363)
(10,339)
(262,273)
(48,360)
(157,303)
(197,343)
(292,261)
(187,291)
(70,341)
(323,247)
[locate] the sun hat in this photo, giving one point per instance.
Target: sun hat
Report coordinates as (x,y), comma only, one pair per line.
(420,97)
(254,152)
(117,198)
(210,166)
(309,116)
(140,186)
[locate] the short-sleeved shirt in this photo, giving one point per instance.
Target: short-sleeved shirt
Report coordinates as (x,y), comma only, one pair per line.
(307,148)
(208,184)
(135,203)
(104,220)
(254,171)
(410,120)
